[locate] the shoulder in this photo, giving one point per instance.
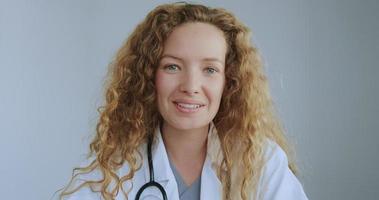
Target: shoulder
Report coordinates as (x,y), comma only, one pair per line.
(274,155)
(93,192)
(80,191)
(277,180)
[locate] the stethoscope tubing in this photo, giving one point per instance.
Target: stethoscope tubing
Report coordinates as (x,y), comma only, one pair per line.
(152,182)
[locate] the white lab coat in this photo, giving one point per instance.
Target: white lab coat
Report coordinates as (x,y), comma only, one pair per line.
(277,181)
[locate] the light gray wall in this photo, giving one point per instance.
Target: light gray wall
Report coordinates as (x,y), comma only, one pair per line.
(320,57)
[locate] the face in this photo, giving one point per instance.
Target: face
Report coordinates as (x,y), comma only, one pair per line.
(190,77)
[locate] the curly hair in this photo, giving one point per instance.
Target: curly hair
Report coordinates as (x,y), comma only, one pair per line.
(246,116)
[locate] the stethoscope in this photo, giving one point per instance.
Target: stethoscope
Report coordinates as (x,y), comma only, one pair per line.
(151,172)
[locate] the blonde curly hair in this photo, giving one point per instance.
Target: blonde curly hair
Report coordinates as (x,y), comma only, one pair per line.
(246,115)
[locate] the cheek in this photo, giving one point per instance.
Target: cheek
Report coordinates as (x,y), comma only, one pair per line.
(163,85)
(215,91)
(218,94)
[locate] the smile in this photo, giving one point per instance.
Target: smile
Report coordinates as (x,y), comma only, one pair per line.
(188,108)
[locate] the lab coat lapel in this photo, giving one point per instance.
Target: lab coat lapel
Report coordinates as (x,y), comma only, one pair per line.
(210,184)
(211,187)
(162,171)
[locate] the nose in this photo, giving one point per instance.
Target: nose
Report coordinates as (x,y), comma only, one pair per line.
(191,83)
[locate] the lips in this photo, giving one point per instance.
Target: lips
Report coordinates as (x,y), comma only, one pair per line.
(188,106)
(189,102)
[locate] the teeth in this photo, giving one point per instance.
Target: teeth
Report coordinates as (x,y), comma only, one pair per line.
(189,106)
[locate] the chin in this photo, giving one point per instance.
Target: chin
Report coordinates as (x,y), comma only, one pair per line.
(189,125)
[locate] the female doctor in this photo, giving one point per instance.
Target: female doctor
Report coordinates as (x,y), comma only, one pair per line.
(187,116)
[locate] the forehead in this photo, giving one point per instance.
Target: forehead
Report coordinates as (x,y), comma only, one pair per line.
(196,41)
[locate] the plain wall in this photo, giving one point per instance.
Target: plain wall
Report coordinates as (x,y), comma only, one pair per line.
(320,58)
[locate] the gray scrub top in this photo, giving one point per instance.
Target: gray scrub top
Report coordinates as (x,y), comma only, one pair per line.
(191,192)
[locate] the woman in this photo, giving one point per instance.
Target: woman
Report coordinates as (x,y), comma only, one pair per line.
(187,107)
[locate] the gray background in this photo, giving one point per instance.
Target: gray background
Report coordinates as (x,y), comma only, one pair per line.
(320,56)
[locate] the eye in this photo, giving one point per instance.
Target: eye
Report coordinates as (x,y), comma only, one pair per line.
(171,68)
(210,70)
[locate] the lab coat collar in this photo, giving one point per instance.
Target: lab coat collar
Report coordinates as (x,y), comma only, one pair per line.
(162,171)
(211,187)
(160,160)
(214,153)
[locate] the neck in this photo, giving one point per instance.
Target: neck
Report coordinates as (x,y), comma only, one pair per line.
(185,145)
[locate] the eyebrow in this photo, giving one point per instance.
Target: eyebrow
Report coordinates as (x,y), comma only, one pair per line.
(204,59)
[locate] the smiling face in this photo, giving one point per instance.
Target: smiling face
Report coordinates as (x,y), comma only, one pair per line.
(190,77)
